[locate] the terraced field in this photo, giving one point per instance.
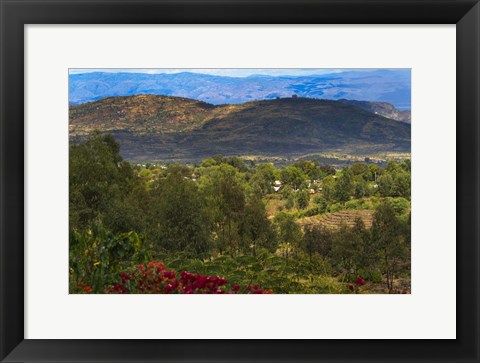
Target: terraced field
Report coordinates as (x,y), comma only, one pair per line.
(335,220)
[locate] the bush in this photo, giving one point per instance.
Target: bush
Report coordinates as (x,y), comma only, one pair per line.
(359,204)
(155,278)
(400,205)
(97,255)
(321,203)
(302,198)
(314,211)
(332,208)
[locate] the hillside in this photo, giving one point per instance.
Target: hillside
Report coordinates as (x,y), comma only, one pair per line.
(152,127)
(139,114)
(383,109)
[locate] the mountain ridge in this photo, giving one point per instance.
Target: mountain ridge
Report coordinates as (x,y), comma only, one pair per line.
(384,109)
(151,127)
(391,86)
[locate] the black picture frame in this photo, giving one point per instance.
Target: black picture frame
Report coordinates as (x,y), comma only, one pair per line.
(16,13)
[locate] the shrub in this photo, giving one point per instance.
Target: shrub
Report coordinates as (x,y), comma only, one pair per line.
(302,199)
(97,256)
(311,212)
(155,278)
(321,203)
(332,208)
(400,205)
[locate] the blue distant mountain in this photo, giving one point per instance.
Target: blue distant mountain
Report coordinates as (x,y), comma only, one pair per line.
(386,85)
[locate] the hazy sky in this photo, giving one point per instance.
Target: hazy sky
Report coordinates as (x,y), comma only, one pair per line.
(232,72)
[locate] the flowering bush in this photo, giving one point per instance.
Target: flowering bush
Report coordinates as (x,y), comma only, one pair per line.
(155,278)
(355,288)
(84,288)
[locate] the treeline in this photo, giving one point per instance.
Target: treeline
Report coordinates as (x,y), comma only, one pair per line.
(121,214)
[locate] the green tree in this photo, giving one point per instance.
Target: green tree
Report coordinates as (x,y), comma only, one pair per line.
(302,198)
(310,168)
(392,166)
(390,242)
(328,188)
(290,202)
(208,162)
(288,231)
(237,163)
(368,258)
(344,186)
(360,188)
(317,239)
(179,217)
(224,193)
(359,169)
(402,185)
(263,178)
(347,249)
(321,203)
(385,185)
(293,176)
(289,196)
(99,182)
(406,165)
(326,170)
(374,172)
(255,228)
(145,174)
(180,169)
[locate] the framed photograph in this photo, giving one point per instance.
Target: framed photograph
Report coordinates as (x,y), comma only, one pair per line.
(315,163)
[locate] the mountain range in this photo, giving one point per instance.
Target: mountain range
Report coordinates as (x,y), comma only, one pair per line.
(383,109)
(381,85)
(151,127)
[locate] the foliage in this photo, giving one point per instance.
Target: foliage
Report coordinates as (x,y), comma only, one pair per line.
(99,183)
(255,228)
(155,278)
(390,242)
(344,187)
(223,218)
(328,186)
(293,176)
(263,178)
(317,239)
(179,215)
(302,198)
(97,254)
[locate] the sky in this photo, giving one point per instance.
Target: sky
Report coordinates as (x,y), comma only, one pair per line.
(231,72)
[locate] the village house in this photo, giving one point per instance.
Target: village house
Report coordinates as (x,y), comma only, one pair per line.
(277,185)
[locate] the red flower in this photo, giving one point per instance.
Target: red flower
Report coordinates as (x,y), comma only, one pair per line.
(169,274)
(155,278)
(360,281)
